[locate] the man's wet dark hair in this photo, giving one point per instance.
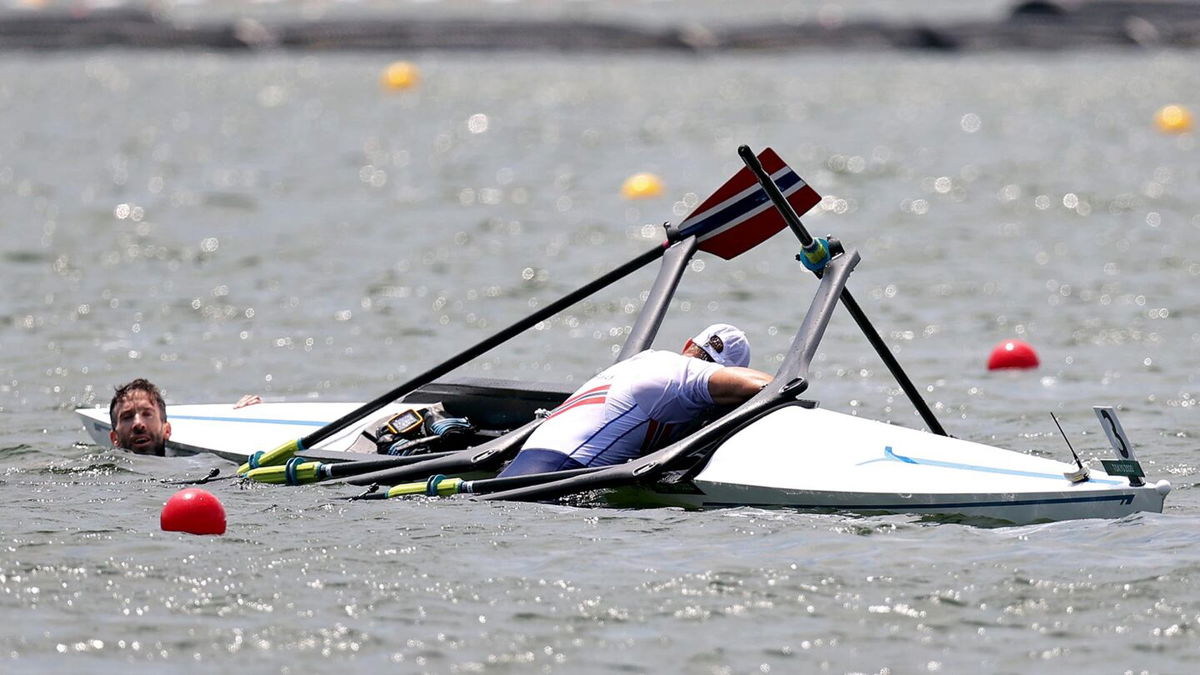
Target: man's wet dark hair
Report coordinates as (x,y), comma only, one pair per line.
(140,384)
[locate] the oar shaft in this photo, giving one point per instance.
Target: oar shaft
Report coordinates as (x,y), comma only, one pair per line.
(860,317)
(482,347)
(356,468)
(485,486)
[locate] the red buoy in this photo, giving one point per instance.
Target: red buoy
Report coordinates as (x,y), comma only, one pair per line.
(1012,354)
(193,510)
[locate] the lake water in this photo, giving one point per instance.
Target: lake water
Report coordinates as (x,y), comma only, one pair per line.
(277,223)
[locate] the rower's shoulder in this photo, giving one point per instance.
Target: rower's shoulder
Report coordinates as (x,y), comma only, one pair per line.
(656,355)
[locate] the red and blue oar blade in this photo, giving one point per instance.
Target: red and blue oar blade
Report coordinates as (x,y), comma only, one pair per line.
(739,215)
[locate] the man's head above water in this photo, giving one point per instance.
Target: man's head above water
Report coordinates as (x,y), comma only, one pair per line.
(139,418)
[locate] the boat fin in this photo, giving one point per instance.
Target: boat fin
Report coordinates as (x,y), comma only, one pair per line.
(1127,465)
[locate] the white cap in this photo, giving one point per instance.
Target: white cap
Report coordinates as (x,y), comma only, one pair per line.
(725,344)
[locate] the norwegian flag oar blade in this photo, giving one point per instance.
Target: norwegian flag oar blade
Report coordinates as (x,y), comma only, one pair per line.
(739,215)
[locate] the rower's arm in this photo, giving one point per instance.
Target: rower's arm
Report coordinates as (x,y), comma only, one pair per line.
(733,385)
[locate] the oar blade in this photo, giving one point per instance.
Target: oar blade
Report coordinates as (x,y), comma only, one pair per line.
(739,215)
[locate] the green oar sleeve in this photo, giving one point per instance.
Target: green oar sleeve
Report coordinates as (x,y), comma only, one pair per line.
(436,486)
(277,456)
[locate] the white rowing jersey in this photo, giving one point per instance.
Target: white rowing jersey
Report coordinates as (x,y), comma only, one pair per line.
(629,409)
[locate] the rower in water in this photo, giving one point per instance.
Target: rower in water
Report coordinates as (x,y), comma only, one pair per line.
(138,414)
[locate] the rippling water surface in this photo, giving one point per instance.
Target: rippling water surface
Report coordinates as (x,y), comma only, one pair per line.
(278,224)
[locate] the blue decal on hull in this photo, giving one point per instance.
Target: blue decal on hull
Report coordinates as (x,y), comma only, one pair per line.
(250,420)
(890,455)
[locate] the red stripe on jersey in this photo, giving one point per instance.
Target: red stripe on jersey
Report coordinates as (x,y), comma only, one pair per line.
(589,397)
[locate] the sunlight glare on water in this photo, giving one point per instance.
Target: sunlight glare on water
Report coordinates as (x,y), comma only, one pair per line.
(275,223)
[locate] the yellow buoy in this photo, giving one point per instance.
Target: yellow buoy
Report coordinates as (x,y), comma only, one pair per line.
(400,75)
(642,186)
(1173,119)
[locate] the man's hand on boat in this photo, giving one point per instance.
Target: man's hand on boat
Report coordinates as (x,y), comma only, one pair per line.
(247,400)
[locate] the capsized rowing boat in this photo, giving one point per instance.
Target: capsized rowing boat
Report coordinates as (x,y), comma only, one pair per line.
(797,456)
(774,450)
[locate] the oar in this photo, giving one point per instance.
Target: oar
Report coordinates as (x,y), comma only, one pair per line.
(726,224)
(731,221)
(860,317)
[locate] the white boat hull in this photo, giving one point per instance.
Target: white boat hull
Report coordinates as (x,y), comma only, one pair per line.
(818,459)
(796,457)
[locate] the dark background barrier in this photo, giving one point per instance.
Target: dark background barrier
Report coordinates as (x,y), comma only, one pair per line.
(1036,24)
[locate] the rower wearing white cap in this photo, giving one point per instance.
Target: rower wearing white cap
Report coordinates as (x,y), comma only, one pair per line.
(642,403)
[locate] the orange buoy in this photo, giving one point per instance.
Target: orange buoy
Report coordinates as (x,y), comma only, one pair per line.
(400,75)
(194,511)
(1173,119)
(642,186)
(1012,354)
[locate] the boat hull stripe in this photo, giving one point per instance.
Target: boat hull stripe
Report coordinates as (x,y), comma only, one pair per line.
(1124,499)
(251,420)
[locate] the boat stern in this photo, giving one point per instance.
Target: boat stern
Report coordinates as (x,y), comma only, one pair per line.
(846,463)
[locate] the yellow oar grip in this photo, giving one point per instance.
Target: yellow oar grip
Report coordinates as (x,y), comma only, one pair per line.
(277,456)
(436,486)
(286,474)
